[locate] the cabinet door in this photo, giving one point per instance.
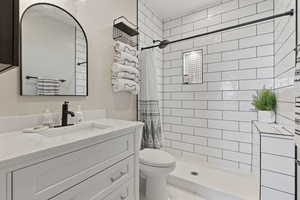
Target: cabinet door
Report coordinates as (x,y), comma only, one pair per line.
(6,33)
(277,167)
(16,34)
(9,33)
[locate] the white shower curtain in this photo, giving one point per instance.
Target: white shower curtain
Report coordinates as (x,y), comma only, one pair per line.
(149,102)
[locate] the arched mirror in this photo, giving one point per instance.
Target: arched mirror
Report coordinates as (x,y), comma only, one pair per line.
(54,53)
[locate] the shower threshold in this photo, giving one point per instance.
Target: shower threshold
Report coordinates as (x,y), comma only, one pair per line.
(214,184)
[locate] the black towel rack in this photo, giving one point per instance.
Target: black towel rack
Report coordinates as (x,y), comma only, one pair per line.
(34,77)
(125,31)
(81,63)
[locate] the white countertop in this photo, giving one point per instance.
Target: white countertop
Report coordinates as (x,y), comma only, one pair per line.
(272,129)
(18,147)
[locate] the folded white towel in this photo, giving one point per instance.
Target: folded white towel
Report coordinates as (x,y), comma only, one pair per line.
(47,87)
(125,85)
(122,47)
(123,68)
(126,59)
(126,75)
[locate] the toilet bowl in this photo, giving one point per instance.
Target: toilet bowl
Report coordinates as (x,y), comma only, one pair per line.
(155,165)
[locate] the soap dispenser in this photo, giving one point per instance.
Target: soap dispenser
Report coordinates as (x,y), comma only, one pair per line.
(47,118)
(79,115)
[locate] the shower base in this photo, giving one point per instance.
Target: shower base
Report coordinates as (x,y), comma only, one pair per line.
(214,184)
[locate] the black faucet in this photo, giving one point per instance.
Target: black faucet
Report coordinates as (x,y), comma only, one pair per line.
(65,113)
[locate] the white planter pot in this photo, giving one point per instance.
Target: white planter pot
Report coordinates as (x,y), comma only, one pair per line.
(266,116)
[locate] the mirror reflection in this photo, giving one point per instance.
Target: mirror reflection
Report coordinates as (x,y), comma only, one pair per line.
(54,53)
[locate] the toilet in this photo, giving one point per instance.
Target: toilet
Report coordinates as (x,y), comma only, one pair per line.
(156,165)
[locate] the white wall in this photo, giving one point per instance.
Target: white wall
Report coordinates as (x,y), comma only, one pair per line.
(96,17)
(48,51)
(211,122)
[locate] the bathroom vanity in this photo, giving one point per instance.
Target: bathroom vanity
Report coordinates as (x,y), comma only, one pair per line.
(92,161)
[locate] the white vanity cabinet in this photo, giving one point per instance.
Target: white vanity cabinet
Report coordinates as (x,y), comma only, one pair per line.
(277,162)
(107,170)
(46,179)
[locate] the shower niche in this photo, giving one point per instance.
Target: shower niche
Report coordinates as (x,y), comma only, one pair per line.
(193,67)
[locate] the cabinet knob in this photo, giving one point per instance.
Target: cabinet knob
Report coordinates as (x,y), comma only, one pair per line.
(123,197)
(114,179)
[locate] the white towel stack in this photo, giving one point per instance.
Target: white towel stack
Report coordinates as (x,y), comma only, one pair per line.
(125,69)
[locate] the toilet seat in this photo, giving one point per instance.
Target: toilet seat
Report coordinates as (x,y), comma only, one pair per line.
(155,166)
(156,158)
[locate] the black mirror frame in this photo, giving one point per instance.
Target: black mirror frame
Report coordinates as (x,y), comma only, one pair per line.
(20,51)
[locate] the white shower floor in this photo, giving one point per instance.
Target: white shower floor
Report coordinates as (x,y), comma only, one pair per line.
(176,193)
(214,184)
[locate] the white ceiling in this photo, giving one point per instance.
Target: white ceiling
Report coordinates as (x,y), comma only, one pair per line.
(174,8)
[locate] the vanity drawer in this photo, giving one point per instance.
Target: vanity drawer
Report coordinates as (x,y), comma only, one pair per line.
(126,192)
(46,179)
(111,182)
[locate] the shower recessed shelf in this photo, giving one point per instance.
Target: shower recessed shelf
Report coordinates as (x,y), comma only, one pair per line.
(125,31)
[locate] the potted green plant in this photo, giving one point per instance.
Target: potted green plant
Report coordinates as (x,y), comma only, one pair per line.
(265,102)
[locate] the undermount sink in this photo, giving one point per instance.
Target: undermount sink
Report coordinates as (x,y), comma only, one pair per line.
(84,128)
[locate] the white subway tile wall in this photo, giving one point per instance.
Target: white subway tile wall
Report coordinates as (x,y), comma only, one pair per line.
(213,120)
(80,58)
(284,70)
(151,28)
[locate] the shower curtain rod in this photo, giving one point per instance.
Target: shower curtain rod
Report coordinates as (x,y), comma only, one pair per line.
(289,13)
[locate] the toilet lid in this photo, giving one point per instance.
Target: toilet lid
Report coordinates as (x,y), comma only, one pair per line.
(156,158)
